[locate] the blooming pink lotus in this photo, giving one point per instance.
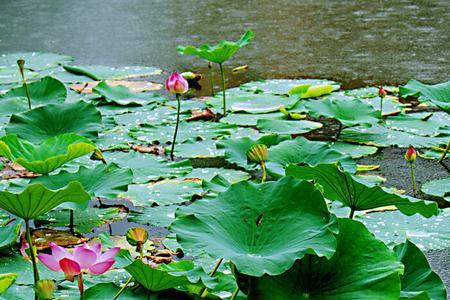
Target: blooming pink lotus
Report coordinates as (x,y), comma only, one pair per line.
(176,84)
(84,259)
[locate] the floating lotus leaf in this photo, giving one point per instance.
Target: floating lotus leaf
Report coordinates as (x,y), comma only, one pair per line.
(243,119)
(418,280)
(438,94)
(416,125)
(198,149)
(343,187)
(51,120)
(438,188)
(365,92)
(287,127)
(160,216)
(115,138)
(306,91)
(362,268)
(34,60)
(121,95)
(218,53)
(349,113)
(355,151)
(101,181)
(390,106)
(261,228)
(381,136)
(283,86)
(36,199)
(150,115)
(6,280)
(302,150)
(10,77)
(208,173)
(46,156)
(104,72)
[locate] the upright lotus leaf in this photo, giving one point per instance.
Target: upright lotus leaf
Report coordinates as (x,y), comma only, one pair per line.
(218,53)
(9,233)
(362,268)
(6,280)
(51,120)
(36,199)
(418,280)
(47,156)
(261,228)
(347,112)
(44,91)
(438,94)
(286,126)
(101,181)
(341,186)
(236,149)
(105,72)
(302,150)
(159,279)
(121,95)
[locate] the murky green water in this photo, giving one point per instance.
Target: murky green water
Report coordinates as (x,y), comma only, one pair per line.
(354,42)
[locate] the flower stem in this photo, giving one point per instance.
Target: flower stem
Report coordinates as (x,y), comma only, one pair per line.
(80,286)
(441,159)
(264,173)
(338,134)
(71,222)
(222,73)
(413,181)
(352,213)
(211,79)
(203,291)
(27,92)
(123,288)
(176,127)
(32,254)
(235,293)
(381,107)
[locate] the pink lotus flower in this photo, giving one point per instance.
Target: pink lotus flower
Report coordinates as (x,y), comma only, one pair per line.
(381,92)
(84,259)
(176,84)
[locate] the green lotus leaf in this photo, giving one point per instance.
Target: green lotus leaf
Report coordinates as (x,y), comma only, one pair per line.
(107,290)
(354,150)
(380,136)
(244,119)
(418,280)
(417,125)
(261,228)
(6,280)
(438,94)
(236,149)
(302,150)
(33,60)
(283,86)
(362,268)
(349,113)
(101,181)
(311,91)
(219,53)
(286,126)
(159,279)
(121,95)
(438,188)
(36,199)
(51,120)
(161,216)
(47,156)
(198,149)
(343,187)
(10,77)
(104,72)
(9,234)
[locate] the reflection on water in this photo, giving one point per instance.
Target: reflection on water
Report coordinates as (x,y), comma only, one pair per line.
(354,42)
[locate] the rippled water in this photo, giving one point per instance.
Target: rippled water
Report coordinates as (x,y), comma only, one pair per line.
(354,42)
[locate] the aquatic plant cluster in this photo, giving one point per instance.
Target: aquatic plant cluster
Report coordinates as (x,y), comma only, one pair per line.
(285,210)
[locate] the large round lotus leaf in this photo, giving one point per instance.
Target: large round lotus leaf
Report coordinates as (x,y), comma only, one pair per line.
(160,216)
(355,151)
(390,106)
(236,149)
(163,192)
(343,187)
(438,188)
(186,131)
(362,268)
(208,173)
(349,113)
(34,60)
(418,280)
(54,119)
(44,91)
(198,149)
(101,181)
(381,136)
(36,199)
(10,77)
(438,94)
(253,103)
(104,72)
(261,228)
(159,115)
(103,290)
(115,138)
(283,86)
(302,150)
(416,125)
(220,52)
(47,156)
(121,95)
(243,119)
(393,228)
(287,127)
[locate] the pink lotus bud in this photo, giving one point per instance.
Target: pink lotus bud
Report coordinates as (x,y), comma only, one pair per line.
(176,84)
(382,92)
(411,154)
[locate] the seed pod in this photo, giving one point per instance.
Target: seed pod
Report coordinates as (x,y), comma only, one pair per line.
(257,153)
(137,236)
(45,289)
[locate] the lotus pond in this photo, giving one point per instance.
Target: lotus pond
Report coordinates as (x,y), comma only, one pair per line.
(118,186)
